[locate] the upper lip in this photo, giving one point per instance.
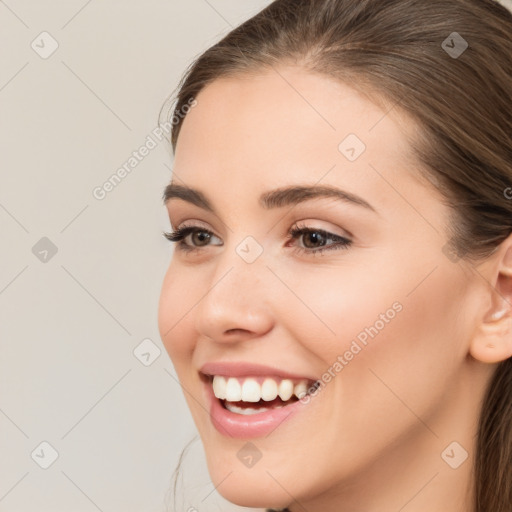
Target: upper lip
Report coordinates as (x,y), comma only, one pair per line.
(245,369)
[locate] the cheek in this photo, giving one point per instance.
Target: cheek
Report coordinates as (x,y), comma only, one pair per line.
(395,312)
(415,357)
(333,307)
(383,337)
(177,298)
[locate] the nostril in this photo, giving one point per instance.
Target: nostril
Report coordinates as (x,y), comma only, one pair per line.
(236,332)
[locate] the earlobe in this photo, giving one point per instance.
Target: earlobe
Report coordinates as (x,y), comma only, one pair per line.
(492,342)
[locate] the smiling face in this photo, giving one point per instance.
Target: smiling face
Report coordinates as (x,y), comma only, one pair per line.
(382,310)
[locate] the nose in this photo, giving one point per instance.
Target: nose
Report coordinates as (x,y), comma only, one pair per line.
(236,302)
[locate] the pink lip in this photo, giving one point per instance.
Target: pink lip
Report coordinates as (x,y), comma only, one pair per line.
(230,424)
(243,369)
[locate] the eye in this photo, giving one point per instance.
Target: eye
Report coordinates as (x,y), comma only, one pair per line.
(315,240)
(198,235)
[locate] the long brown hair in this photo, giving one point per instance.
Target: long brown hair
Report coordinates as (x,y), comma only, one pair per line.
(448,65)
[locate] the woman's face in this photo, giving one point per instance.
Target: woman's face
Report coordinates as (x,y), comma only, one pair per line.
(386,317)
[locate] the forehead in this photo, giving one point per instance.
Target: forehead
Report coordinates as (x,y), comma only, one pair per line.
(285,126)
(294,104)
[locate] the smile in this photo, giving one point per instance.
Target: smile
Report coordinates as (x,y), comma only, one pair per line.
(265,392)
(255,405)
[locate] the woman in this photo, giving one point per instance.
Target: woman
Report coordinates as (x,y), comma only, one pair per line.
(339,303)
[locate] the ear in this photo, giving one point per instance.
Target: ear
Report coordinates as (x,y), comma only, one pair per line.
(492,341)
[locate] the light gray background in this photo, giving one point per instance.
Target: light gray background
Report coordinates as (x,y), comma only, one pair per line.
(69,325)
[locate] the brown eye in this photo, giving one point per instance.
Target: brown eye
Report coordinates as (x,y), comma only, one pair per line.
(313,239)
(200,238)
(191,238)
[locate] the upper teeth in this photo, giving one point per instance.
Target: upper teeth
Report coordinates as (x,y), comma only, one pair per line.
(251,391)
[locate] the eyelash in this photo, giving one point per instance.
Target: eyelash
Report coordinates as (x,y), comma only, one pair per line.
(178,236)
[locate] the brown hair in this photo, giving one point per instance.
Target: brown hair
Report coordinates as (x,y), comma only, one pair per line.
(404,54)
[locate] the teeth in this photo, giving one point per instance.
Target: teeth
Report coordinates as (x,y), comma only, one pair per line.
(300,389)
(269,390)
(247,411)
(219,387)
(251,391)
(286,389)
(233,390)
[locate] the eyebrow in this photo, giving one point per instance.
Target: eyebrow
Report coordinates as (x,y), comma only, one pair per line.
(276,198)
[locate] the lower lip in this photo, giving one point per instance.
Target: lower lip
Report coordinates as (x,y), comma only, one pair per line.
(241,426)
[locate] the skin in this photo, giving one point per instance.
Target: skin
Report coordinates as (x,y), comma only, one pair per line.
(371,439)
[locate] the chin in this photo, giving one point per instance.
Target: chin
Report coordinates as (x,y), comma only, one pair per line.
(247,487)
(258,497)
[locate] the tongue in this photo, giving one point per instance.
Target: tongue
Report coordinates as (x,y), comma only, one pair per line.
(262,403)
